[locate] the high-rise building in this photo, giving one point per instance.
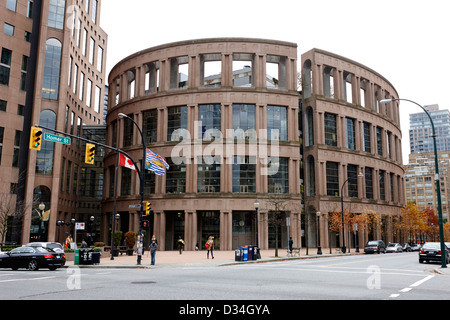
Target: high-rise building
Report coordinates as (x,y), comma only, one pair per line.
(420,132)
(52,73)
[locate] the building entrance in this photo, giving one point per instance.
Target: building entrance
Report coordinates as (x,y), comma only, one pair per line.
(174,228)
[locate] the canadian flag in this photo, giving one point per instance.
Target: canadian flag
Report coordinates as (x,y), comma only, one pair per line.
(126,162)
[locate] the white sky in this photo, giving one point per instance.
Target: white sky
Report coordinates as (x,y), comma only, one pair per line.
(406,41)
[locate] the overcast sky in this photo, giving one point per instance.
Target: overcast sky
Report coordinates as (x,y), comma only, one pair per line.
(406,41)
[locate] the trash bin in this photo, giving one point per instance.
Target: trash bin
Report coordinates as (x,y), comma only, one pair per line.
(238,254)
(77,257)
(95,257)
(244,253)
(250,252)
(86,256)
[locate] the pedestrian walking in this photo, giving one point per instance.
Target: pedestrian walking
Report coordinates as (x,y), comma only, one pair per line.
(209,245)
(153,248)
(291,242)
(180,244)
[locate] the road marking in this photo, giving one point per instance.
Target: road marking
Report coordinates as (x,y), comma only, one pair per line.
(394,295)
(31,279)
(406,290)
(418,283)
(415,284)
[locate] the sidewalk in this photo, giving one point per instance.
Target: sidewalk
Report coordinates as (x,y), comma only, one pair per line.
(172,259)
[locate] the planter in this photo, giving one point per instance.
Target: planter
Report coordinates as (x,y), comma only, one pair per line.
(130,252)
(115,252)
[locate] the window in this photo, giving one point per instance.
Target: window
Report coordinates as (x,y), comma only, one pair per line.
(330,130)
(2,132)
(50,85)
(44,157)
(369,183)
(244,174)
(211,70)
(279,182)
(176,176)
(277,123)
(75,79)
(91,50)
(85,37)
(3,104)
(352,181)
(56,14)
(81,91)
(309,127)
(275,72)
(307,79)
(348,90)
(94,10)
(328,82)
(15,162)
(244,121)
(311,177)
(209,120)
(208,177)
(8,29)
(243,69)
(152,77)
(128,131)
(99,59)
(11,5)
(125,189)
(379,142)
(150,127)
(332,179)
(179,72)
(362,92)
(350,130)
(5,66)
(366,137)
(381,175)
(23,73)
(98,99)
(30,8)
(177,119)
(89,93)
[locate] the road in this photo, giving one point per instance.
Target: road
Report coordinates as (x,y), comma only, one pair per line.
(359,277)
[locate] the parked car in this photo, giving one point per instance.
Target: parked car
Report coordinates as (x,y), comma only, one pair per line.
(394,247)
(431,251)
(55,246)
(416,247)
(32,258)
(406,247)
(375,246)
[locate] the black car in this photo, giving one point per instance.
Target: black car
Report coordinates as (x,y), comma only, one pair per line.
(375,246)
(431,251)
(32,258)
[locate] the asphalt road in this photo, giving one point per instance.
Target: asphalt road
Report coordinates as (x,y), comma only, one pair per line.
(361,277)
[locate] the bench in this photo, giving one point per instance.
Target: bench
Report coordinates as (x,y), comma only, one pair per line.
(294,252)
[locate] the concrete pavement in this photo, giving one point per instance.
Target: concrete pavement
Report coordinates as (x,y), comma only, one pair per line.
(172,259)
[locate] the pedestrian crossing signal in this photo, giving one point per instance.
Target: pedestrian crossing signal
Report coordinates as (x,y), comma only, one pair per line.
(90,153)
(35,138)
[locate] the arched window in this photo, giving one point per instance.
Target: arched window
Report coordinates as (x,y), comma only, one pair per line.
(307,79)
(44,157)
(52,67)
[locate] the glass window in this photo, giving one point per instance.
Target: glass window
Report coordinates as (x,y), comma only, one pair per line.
(350,129)
(381,175)
(330,130)
(244,174)
(352,181)
(56,14)
(23,73)
(366,137)
(244,121)
(2,131)
(332,179)
(125,189)
(11,4)
(15,162)
(177,119)
(150,127)
(279,182)
(379,142)
(176,176)
(369,181)
(209,119)
(44,157)
(309,127)
(128,131)
(3,104)
(5,66)
(276,123)
(208,177)
(8,29)
(91,50)
(100,59)
(50,85)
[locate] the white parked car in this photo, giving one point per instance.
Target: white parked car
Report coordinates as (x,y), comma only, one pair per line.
(394,247)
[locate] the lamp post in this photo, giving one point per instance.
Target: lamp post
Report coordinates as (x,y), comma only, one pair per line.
(344,249)
(256,204)
(436,178)
(41,207)
(59,223)
(115,218)
(319,248)
(142,179)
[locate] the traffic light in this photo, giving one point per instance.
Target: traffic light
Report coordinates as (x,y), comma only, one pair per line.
(90,153)
(35,138)
(144,224)
(147,207)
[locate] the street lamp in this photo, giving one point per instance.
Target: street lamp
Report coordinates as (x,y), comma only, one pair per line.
(41,207)
(319,248)
(256,204)
(344,249)
(142,178)
(436,178)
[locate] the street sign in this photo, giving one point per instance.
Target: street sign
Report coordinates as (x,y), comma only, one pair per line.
(79,226)
(55,138)
(131,206)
